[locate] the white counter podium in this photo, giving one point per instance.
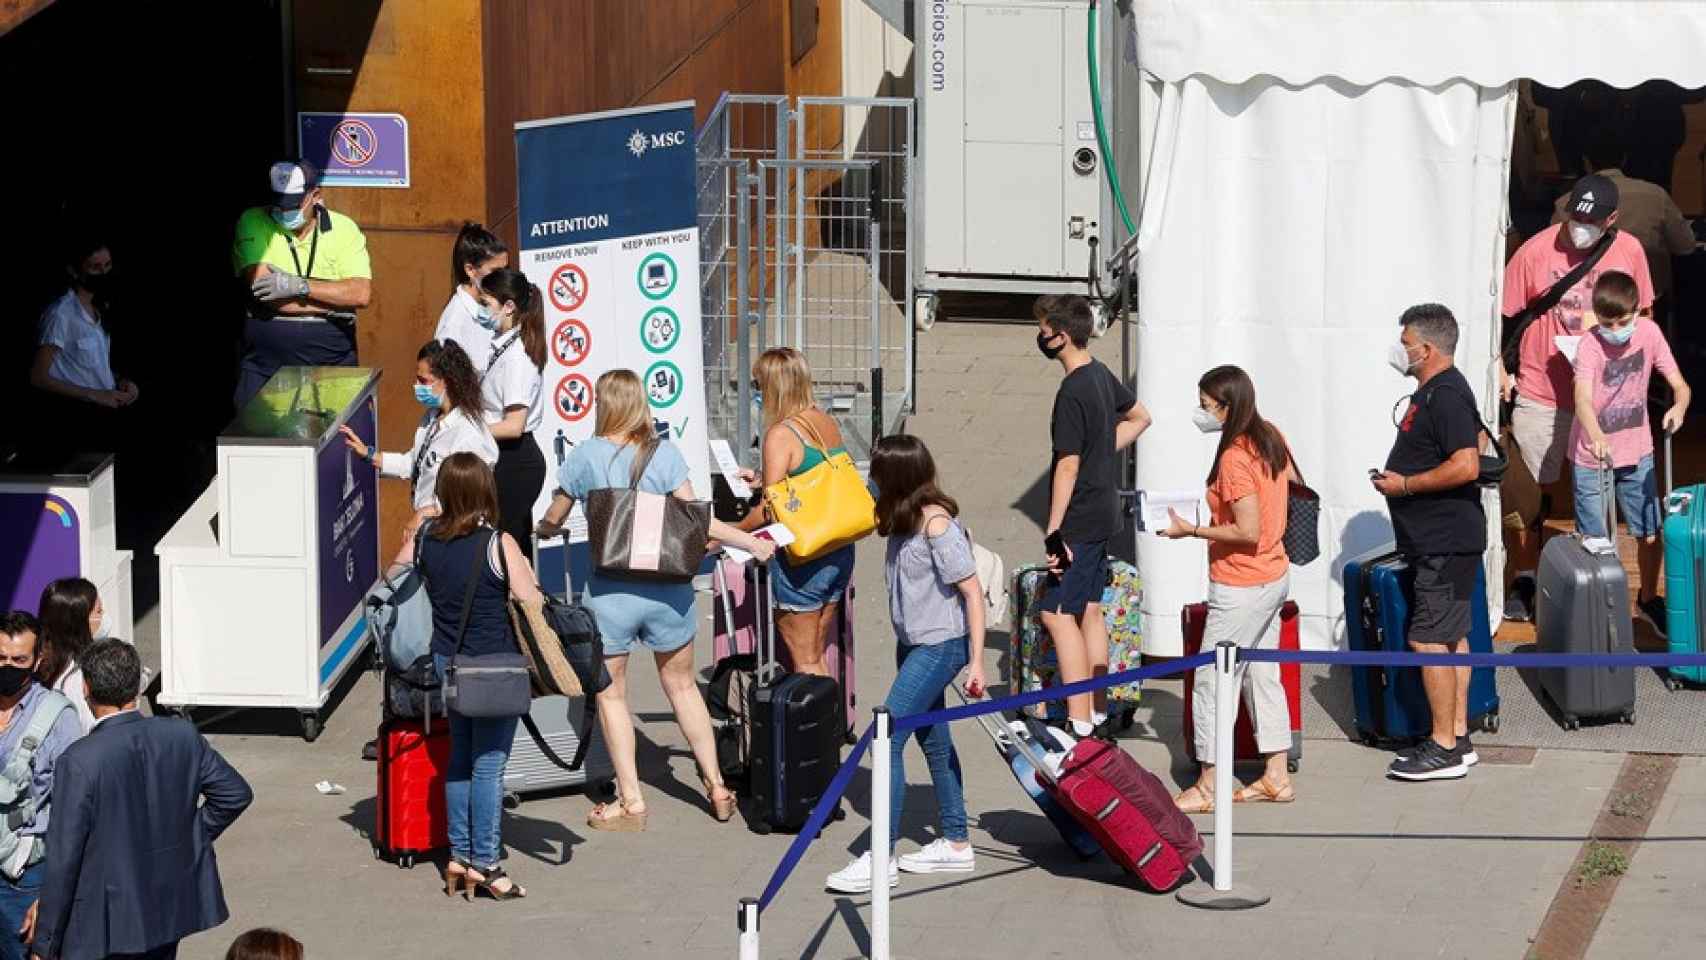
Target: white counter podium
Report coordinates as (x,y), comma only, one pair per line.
(58,519)
(262,580)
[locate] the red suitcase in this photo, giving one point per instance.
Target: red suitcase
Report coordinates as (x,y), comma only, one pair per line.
(411,817)
(1244,732)
(734,614)
(1129,811)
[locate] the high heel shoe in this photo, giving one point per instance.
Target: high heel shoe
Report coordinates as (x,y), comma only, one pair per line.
(514,891)
(723,807)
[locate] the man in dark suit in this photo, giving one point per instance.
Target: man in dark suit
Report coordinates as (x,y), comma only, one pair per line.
(130,865)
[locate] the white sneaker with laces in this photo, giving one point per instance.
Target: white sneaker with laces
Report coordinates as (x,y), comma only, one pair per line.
(939,856)
(856,876)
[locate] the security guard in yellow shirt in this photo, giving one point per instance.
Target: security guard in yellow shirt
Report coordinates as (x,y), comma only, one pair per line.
(307,272)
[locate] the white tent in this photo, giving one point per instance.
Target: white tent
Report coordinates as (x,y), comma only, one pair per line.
(1305,171)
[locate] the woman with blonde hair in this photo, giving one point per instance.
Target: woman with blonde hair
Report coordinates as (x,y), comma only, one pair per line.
(656,615)
(797,437)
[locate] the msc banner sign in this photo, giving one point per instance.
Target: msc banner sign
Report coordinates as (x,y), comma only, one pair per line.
(609,231)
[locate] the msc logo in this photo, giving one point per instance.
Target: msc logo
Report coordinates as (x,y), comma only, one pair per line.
(639,142)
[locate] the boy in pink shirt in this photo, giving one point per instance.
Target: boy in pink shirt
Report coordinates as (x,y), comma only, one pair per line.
(1613,367)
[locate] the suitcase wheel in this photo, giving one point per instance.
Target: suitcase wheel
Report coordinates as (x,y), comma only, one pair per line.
(405,861)
(841,812)
(1292,765)
(1490,723)
(1628,717)
(1368,739)
(311,727)
(1673,684)
(1572,723)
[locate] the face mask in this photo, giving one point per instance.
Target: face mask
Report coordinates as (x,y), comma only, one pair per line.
(1585,235)
(1205,421)
(290,219)
(1046,350)
(426,397)
(1617,338)
(1399,357)
(103,630)
(99,284)
(12,679)
(483,316)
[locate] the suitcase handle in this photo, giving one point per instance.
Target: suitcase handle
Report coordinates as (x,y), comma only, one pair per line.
(995,733)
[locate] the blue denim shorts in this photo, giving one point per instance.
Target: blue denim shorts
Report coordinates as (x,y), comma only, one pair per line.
(812,585)
(658,616)
(1637,499)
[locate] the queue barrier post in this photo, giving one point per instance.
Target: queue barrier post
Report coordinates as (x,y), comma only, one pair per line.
(1221,896)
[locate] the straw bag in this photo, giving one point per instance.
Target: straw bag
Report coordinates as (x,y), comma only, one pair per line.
(825,508)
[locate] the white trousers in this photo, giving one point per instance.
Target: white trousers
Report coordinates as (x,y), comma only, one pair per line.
(1249,617)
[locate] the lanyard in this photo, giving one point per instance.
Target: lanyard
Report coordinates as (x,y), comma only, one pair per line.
(313,250)
(420,455)
(498,352)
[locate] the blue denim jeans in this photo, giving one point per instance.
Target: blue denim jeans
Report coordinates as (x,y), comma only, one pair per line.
(923,674)
(15,900)
(474,784)
(1637,496)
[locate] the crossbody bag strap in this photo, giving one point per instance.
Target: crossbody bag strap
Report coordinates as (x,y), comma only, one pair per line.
(642,460)
(1549,299)
(817,439)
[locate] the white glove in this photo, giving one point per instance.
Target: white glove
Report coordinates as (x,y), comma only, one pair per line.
(275,285)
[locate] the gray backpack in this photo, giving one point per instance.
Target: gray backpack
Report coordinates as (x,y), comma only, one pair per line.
(18,800)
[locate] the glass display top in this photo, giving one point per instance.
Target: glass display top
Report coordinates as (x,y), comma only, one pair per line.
(299,405)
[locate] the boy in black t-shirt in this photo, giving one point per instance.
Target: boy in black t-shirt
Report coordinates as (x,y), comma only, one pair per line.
(1094,417)
(1441,531)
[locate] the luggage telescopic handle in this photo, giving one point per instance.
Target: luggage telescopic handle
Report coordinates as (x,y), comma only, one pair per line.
(1019,744)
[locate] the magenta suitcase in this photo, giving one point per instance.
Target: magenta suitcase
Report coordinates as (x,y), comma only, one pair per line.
(1129,811)
(734,614)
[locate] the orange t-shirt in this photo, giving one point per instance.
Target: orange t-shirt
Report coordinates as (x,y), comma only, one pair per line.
(1242,473)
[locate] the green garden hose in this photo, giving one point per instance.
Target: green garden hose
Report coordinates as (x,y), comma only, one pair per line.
(1108,165)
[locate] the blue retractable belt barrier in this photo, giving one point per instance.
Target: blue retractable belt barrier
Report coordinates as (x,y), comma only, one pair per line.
(820,813)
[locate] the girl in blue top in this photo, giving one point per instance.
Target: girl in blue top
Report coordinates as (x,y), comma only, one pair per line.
(658,616)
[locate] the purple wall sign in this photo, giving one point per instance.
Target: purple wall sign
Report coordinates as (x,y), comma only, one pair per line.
(348,524)
(40,532)
(356,149)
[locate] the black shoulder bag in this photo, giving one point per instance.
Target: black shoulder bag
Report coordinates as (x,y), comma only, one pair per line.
(1302,537)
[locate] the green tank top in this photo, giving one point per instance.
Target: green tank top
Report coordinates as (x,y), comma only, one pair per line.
(813,455)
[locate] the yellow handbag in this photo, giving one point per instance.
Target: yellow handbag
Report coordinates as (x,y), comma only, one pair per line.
(825,508)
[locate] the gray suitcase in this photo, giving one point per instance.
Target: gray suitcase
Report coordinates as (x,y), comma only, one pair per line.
(1583,608)
(562,722)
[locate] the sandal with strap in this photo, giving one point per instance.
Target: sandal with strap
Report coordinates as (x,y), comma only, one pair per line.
(623,820)
(722,807)
(514,891)
(456,879)
(1263,791)
(1194,799)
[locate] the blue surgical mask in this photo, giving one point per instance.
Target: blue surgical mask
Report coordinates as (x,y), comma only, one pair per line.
(484,317)
(290,219)
(1619,337)
(425,396)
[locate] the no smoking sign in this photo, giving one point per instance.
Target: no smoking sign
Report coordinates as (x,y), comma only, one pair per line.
(573,397)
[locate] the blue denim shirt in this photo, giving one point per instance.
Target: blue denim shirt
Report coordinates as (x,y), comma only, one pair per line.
(62,734)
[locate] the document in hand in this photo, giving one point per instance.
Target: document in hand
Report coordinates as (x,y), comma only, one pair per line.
(1152,507)
(776,533)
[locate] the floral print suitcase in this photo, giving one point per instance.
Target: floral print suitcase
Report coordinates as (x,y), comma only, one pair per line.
(1033,664)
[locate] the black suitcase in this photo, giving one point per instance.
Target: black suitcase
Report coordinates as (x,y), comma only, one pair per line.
(1583,607)
(796,732)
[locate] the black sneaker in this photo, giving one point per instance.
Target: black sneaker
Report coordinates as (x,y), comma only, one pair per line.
(1464,748)
(1519,600)
(1430,762)
(1653,608)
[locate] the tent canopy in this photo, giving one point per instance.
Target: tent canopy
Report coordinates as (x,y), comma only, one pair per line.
(1425,42)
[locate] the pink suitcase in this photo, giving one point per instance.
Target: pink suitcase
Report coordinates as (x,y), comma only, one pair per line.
(734,615)
(1128,810)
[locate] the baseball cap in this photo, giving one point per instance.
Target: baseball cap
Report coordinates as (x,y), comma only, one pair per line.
(291,179)
(1593,199)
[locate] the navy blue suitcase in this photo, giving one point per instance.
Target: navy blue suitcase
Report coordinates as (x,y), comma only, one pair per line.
(796,733)
(1390,704)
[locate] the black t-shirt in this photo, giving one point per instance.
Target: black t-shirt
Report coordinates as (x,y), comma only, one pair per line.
(1090,401)
(1440,421)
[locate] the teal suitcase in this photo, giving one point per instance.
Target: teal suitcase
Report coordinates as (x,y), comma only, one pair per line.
(1685,576)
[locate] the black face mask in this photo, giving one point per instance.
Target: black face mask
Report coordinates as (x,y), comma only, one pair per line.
(12,679)
(1045,349)
(99,284)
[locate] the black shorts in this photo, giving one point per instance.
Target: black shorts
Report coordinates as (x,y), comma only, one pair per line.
(1441,604)
(1080,584)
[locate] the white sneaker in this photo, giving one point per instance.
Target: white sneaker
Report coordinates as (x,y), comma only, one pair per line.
(856,876)
(939,856)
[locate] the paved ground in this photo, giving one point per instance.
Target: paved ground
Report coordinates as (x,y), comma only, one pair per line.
(1359,867)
